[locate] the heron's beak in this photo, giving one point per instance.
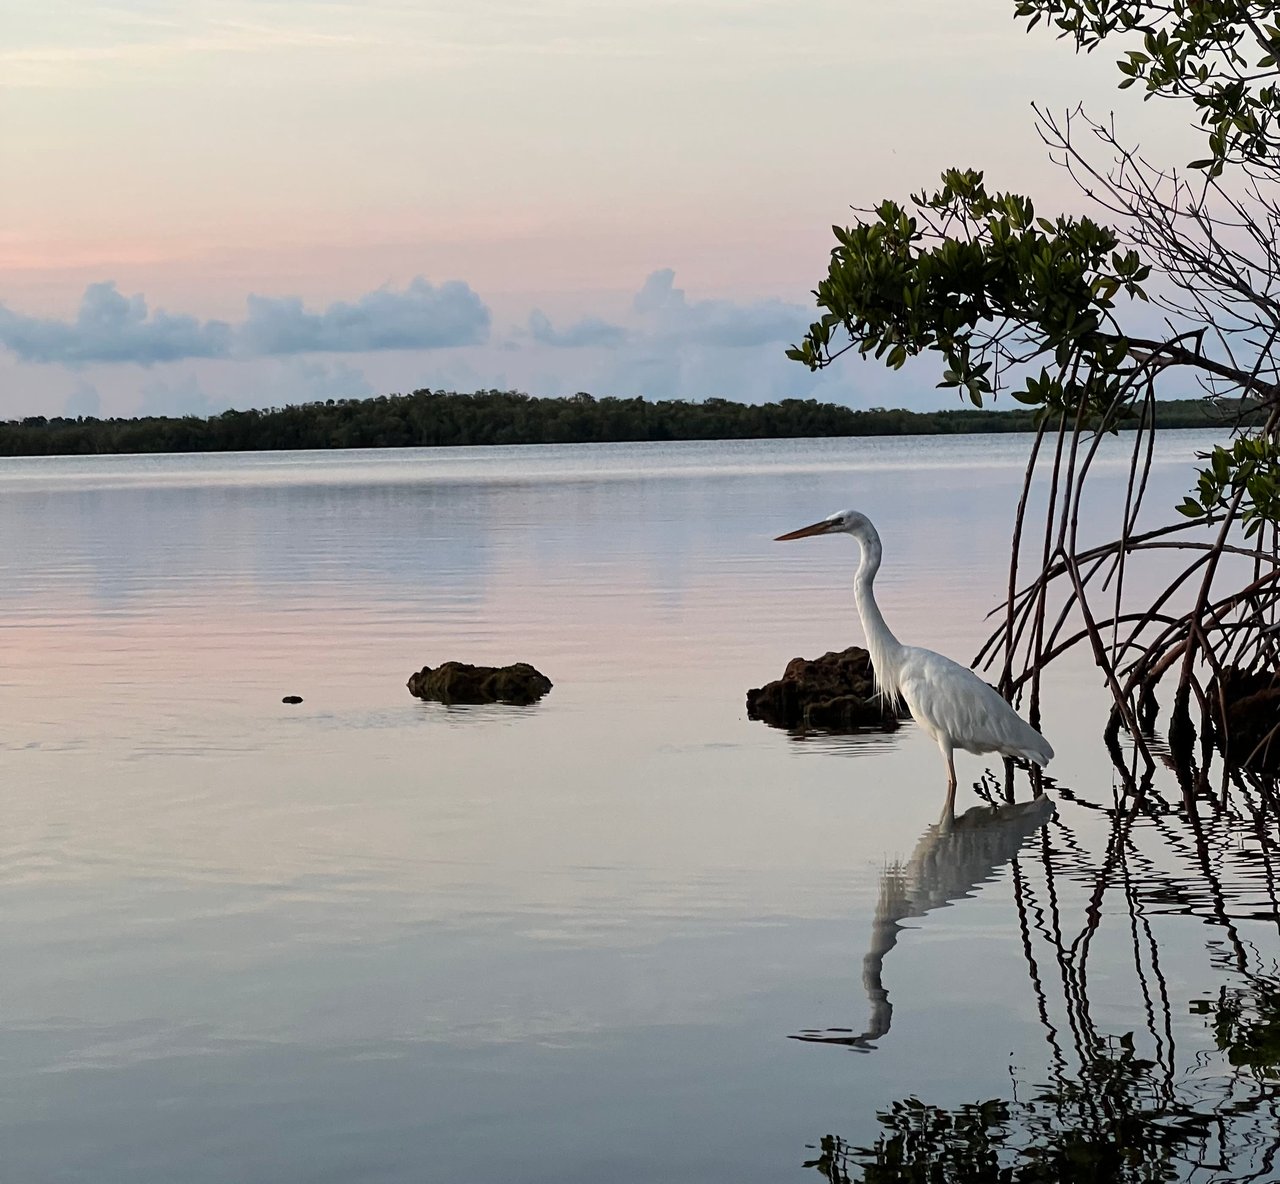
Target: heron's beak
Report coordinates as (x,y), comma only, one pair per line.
(804,532)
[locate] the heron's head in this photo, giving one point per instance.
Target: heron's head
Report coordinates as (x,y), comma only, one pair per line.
(852,522)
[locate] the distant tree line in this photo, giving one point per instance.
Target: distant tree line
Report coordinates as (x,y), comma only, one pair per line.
(444,418)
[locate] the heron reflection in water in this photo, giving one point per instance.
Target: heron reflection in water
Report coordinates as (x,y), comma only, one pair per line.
(951,859)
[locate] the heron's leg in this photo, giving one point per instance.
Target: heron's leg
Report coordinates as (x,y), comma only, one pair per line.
(949,756)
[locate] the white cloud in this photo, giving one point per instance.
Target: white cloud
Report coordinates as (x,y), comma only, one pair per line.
(590,331)
(658,292)
(110,327)
(716,322)
(679,348)
(420,317)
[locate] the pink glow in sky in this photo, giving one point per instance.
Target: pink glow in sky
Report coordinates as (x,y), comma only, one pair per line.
(521,173)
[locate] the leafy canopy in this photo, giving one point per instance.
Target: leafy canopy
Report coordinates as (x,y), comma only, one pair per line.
(979,278)
(1219,54)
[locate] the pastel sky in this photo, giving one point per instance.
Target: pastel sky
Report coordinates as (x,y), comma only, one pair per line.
(213,203)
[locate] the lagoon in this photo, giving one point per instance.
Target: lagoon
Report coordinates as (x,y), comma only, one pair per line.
(625,932)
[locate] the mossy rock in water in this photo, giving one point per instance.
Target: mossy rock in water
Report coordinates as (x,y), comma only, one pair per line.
(460,682)
(835,693)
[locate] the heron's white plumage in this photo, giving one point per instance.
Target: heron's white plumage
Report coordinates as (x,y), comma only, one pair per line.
(946,699)
(953,704)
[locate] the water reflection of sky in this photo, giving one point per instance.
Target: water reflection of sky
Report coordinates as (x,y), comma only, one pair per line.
(367,936)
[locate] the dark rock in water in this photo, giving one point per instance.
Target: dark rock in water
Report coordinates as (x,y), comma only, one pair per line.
(835,692)
(460,682)
(292,699)
(1252,700)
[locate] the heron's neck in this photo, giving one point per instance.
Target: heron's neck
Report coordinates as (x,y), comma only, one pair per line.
(884,648)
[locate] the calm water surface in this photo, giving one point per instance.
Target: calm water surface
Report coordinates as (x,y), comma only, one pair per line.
(372,939)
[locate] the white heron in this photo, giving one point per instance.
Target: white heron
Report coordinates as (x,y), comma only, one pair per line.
(946,699)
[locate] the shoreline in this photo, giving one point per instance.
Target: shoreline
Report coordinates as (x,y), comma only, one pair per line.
(438,419)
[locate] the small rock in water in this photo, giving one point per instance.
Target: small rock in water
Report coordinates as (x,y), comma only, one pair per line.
(835,692)
(460,682)
(292,699)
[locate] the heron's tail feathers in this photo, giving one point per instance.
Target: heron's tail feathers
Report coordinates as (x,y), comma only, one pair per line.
(1039,752)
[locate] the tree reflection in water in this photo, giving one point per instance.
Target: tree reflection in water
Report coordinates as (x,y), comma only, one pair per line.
(1112,1106)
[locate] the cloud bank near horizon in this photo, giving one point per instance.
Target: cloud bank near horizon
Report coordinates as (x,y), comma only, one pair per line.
(420,317)
(667,318)
(722,323)
(659,343)
(583,334)
(110,327)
